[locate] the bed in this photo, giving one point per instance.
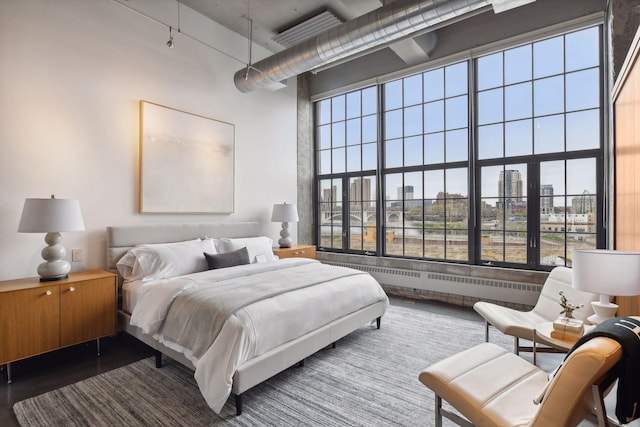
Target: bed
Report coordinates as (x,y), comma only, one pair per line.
(272,313)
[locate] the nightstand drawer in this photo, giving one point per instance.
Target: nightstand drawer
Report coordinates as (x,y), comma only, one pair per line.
(296,251)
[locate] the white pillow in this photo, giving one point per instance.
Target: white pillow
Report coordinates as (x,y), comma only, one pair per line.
(255,246)
(163,260)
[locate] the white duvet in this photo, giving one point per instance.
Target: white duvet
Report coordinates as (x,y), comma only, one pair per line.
(255,328)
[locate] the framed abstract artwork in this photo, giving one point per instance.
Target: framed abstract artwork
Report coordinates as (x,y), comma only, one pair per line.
(186,162)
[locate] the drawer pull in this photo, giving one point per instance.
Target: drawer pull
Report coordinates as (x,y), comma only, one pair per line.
(48,293)
(72,289)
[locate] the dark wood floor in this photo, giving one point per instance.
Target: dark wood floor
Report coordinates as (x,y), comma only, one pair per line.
(50,371)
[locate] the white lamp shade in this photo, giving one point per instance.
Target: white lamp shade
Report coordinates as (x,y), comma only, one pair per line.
(284,212)
(50,215)
(606,272)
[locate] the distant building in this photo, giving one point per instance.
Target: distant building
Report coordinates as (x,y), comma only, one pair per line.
(546,199)
(509,188)
(584,203)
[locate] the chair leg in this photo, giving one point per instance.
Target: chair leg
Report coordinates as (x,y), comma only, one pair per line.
(438,411)
(516,346)
(486,331)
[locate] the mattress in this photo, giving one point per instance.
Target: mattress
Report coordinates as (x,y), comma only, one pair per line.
(130,294)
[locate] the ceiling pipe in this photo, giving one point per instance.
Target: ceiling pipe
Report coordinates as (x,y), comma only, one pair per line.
(383,25)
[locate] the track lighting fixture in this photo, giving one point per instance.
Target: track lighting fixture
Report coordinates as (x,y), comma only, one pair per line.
(170,42)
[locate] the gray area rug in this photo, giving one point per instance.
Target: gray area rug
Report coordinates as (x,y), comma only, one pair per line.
(369,379)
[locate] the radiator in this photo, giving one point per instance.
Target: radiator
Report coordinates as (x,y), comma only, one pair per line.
(510,292)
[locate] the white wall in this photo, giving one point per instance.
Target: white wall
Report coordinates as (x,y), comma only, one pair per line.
(71,75)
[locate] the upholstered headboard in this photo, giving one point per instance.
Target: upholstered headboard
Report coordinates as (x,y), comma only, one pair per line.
(122,238)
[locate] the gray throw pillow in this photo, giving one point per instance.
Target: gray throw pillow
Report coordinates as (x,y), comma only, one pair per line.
(227,259)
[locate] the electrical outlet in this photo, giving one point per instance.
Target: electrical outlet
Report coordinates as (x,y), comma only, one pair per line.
(76,255)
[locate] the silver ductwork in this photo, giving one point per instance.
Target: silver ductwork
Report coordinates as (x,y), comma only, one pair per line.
(386,24)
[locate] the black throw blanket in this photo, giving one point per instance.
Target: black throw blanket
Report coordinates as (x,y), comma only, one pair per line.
(626,331)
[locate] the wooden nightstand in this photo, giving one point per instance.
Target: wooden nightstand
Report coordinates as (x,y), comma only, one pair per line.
(299,251)
(38,317)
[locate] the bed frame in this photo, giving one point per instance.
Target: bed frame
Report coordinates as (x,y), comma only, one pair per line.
(252,372)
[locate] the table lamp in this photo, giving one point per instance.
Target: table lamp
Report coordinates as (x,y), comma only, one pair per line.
(284,213)
(608,273)
(52,216)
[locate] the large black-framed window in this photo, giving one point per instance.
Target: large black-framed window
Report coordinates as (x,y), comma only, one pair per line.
(346,164)
(496,160)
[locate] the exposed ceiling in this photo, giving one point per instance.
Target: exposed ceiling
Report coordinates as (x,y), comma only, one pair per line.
(270,17)
(372,24)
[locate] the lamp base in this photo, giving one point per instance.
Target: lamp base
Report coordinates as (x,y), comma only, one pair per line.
(285,240)
(603,311)
(54,278)
(55,267)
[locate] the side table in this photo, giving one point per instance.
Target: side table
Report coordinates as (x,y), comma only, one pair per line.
(542,335)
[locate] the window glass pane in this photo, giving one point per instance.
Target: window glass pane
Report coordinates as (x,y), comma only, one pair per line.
(354,158)
(583,90)
(338,160)
(413,187)
(433,243)
(393,95)
(393,153)
(369,100)
(353,132)
(434,184)
(515,247)
(434,116)
(413,120)
(490,71)
(583,130)
(369,128)
(518,138)
(549,134)
(457,146)
(393,183)
(552,179)
(490,141)
(490,176)
(457,112)
(582,49)
(548,57)
(434,148)
(548,96)
(413,151)
(492,246)
(393,124)
(355,237)
(435,216)
(517,65)
(324,137)
(338,108)
(552,248)
(581,176)
(413,90)
(323,109)
(338,134)
(490,106)
(353,104)
(457,183)
(517,103)
(456,79)
(369,156)
(394,241)
(324,160)
(492,219)
(457,244)
(434,85)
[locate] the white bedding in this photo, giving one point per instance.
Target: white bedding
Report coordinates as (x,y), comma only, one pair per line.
(255,328)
